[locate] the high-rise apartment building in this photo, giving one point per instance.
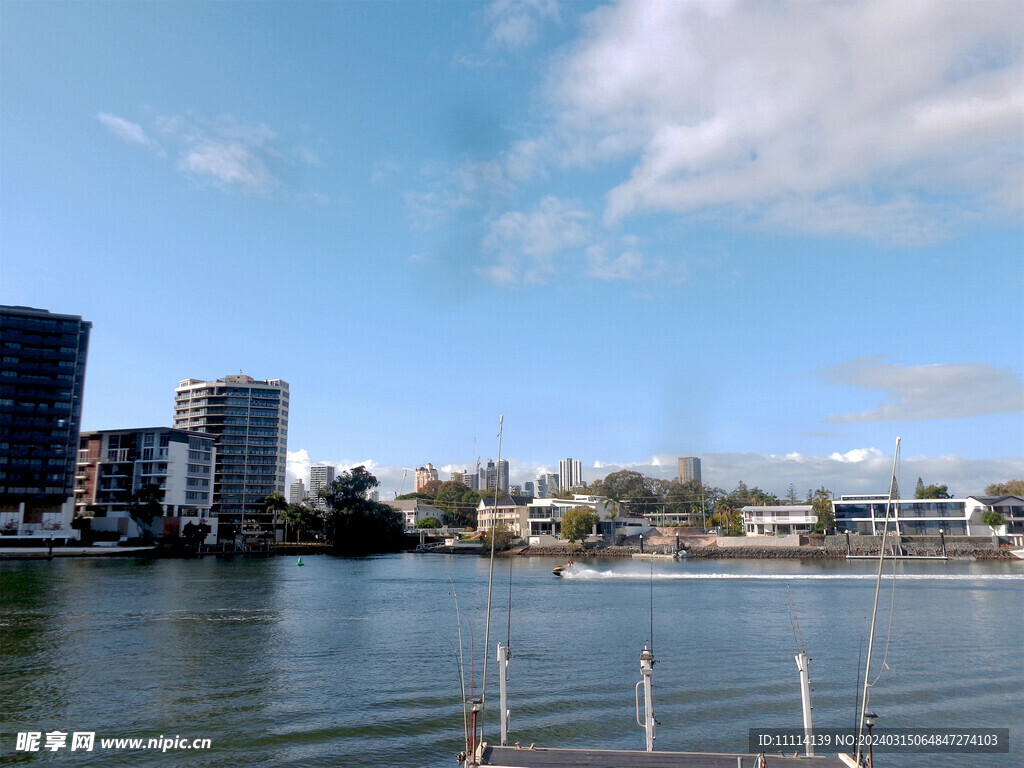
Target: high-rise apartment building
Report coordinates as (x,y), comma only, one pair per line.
(249,419)
(494,476)
(570,474)
(424,475)
(296,492)
(689,469)
(42,374)
(320,476)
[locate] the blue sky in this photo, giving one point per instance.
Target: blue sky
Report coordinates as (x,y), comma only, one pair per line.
(774,235)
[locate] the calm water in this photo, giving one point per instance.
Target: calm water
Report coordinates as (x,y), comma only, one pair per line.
(352,662)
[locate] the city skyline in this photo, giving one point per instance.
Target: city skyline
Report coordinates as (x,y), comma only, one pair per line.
(638,230)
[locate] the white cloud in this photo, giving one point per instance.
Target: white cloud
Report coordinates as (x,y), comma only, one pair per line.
(127,131)
(227,165)
(843,118)
(858,470)
(631,266)
(526,242)
(515,23)
(298,466)
(918,392)
(222,151)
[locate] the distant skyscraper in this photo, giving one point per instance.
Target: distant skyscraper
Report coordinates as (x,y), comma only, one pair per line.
(320,476)
(495,475)
(424,475)
(570,474)
(689,469)
(250,421)
(296,492)
(41,381)
(530,487)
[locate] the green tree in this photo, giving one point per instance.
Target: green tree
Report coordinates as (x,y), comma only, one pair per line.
(502,538)
(275,504)
(193,535)
(822,503)
(429,522)
(932,492)
(458,504)
(791,494)
(145,506)
(578,522)
(993,520)
(356,524)
(919,489)
(1009,488)
(634,493)
(690,498)
(727,517)
(301,518)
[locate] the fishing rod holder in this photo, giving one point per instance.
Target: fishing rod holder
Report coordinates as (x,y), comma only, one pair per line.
(647,681)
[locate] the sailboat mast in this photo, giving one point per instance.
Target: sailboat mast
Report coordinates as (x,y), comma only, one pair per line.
(490,579)
(893,491)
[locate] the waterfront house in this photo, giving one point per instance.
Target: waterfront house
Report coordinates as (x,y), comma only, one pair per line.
(778,520)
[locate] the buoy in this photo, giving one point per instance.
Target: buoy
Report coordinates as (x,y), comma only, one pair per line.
(299,562)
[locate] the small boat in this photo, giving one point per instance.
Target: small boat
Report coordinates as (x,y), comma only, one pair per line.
(561,570)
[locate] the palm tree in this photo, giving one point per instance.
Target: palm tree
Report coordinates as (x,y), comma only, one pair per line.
(275,503)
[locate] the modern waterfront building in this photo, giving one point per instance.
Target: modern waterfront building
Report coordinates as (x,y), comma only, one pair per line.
(570,474)
(320,476)
(957,517)
(778,520)
(296,492)
(249,419)
(424,475)
(544,516)
(119,470)
(42,374)
(689,469)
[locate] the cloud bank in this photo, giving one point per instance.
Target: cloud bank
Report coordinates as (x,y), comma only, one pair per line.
(857,470)
(918,392)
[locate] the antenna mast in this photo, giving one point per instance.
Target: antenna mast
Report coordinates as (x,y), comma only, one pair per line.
(893,491)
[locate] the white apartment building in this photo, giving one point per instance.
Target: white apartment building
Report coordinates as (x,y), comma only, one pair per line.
(176,466)
(249,420)
(570,474)
(320,476)
(296,492)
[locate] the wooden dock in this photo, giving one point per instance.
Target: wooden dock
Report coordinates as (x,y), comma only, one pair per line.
(541,757)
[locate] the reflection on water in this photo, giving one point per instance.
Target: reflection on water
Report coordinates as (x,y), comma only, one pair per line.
(353,661)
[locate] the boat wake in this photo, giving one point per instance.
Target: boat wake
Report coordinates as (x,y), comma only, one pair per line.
(584,573)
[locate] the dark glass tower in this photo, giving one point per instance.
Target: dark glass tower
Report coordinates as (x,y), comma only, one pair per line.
(42,373)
